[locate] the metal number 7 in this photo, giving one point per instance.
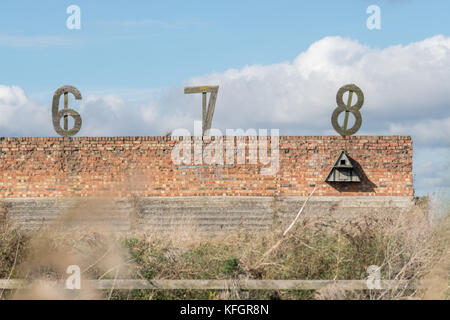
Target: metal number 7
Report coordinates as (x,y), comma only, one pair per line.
(207,113)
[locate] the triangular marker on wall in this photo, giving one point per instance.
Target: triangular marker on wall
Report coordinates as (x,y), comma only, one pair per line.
(343,170)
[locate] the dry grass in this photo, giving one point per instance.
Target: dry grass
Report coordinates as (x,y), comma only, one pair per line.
(409,246)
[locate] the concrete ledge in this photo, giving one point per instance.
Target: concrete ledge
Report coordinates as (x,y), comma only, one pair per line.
(170,214)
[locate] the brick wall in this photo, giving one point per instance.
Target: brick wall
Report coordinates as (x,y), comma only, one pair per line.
(143,166)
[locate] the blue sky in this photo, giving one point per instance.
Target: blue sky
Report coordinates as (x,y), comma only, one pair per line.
(278,64)
(150,44)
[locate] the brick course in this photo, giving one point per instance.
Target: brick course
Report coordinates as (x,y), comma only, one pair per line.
(142,166)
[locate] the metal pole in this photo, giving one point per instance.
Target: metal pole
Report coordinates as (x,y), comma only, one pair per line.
(66,106)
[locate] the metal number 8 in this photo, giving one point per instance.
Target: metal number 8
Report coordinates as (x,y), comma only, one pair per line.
(348,108)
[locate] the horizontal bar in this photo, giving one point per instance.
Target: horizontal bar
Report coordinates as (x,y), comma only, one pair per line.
(217,284)
(201,89)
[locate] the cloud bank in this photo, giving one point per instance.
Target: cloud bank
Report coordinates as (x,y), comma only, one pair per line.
(405,87)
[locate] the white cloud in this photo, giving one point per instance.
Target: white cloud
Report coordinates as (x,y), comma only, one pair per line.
(151,23)
(35,41)
(426,132)
(20,116)
(432,169)
(406,93)
(400,83)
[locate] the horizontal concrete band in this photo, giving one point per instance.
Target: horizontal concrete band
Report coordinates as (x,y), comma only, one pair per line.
(203,214)
(405,200)
(122,284)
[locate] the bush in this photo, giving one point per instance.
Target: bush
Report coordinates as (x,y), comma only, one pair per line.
(407,247)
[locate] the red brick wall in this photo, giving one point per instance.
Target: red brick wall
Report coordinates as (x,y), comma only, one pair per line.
(142,166)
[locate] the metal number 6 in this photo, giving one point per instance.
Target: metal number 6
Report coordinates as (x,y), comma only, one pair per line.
(57,114)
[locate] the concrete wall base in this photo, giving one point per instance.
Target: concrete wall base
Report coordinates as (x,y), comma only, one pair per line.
(201,214)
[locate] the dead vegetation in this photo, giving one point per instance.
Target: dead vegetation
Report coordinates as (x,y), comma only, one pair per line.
(409,246)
